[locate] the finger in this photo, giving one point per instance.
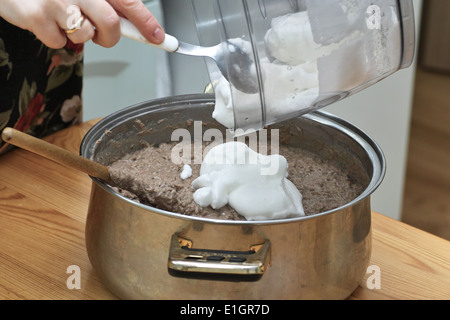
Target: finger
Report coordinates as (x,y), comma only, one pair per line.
(105,20)
(141,17)
(50,34)
(42,22)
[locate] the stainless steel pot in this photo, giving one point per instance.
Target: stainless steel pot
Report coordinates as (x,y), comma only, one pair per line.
(145,253)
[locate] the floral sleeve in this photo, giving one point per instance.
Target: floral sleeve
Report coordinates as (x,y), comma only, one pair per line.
(40,88)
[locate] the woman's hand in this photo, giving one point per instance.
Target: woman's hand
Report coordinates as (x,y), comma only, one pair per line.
(50,19)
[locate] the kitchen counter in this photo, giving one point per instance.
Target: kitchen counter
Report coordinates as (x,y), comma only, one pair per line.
(43,207)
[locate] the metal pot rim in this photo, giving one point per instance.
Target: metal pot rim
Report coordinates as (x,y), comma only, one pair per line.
(373,150)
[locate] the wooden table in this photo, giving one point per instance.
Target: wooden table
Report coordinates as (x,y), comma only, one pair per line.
(43,207)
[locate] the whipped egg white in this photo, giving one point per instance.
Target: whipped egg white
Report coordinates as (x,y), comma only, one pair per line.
(255,185)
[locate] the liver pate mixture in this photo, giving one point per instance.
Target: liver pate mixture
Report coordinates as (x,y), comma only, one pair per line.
(150,177)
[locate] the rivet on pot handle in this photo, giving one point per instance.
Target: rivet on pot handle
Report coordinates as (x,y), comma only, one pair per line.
(183,258)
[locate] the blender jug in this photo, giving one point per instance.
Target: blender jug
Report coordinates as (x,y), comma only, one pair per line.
(306,54)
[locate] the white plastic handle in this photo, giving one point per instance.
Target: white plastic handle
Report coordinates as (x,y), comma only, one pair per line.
(129,30)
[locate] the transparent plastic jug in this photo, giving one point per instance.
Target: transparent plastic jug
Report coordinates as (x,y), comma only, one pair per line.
(307,54)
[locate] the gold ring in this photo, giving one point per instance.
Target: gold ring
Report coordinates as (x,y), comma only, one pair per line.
(76,26)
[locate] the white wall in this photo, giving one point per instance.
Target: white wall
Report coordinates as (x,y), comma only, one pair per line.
(189,74)
(129,73)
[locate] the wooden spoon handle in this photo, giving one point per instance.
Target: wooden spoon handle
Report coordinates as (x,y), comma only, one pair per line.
(55,153)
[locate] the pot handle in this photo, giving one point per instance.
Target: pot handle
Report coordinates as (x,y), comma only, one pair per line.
(186,261)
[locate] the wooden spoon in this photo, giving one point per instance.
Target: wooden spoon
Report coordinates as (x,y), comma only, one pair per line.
(94,169)
(55,153)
